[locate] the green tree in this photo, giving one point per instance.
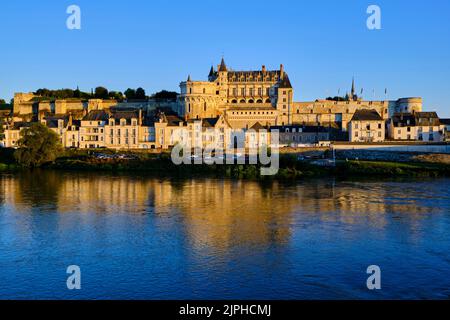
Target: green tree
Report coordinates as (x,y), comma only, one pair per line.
(101,93)
(116,95)
(130,93)
(140,93)
(38,145)
(2,101)
(165,95)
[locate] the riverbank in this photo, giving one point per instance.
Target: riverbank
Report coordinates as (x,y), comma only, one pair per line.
(291,167)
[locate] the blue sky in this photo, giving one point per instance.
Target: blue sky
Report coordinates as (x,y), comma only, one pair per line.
(156,44)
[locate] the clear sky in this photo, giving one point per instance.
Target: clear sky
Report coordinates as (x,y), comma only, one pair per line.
(156,44)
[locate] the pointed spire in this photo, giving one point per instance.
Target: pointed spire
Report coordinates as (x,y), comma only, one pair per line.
(223,66)
(189,78)
(211,72)
(353,87)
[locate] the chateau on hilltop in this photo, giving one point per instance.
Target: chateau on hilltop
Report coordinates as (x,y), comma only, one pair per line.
(266,96)
(231,103)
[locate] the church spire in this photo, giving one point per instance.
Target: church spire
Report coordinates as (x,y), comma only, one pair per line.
(353,87)
(189,78)
(223,66)
(211,72)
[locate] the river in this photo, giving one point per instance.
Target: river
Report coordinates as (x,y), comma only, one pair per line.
(137,237)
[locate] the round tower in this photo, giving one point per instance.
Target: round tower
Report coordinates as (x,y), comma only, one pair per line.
(409,105)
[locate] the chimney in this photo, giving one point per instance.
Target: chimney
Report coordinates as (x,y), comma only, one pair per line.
(281,71)
(140,117)
(263,68)
(70,122)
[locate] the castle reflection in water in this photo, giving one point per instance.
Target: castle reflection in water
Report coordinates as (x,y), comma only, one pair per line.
(217,213)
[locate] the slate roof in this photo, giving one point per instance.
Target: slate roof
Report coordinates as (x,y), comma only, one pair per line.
(173,120)
(403,119)
(52,122)
(209,122)
(427,119)
(285,83)
(366,115)
(96,115)
(234,76)
(257,126)
(128,115)
(305,129)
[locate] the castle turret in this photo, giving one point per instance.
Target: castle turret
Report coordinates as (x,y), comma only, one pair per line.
(222,81)
(223,66)
(285,98)
(212,74)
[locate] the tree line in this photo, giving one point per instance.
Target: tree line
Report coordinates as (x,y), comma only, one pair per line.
(104,93)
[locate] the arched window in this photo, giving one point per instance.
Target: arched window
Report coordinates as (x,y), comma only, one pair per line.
(268,101)
(234,101)
(259,101)
(251,101)
(242,101)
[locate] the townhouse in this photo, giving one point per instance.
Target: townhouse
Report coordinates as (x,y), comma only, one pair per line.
(367,126)
(418,126)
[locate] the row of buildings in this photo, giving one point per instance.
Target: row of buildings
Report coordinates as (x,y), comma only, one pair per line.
(229,108)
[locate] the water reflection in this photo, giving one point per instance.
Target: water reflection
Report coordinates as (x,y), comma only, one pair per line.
(223,213)
(214,239)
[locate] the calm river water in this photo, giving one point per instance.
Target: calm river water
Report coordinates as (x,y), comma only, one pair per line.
(136,237)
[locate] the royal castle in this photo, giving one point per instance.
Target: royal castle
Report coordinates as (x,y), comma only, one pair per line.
(226,100)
